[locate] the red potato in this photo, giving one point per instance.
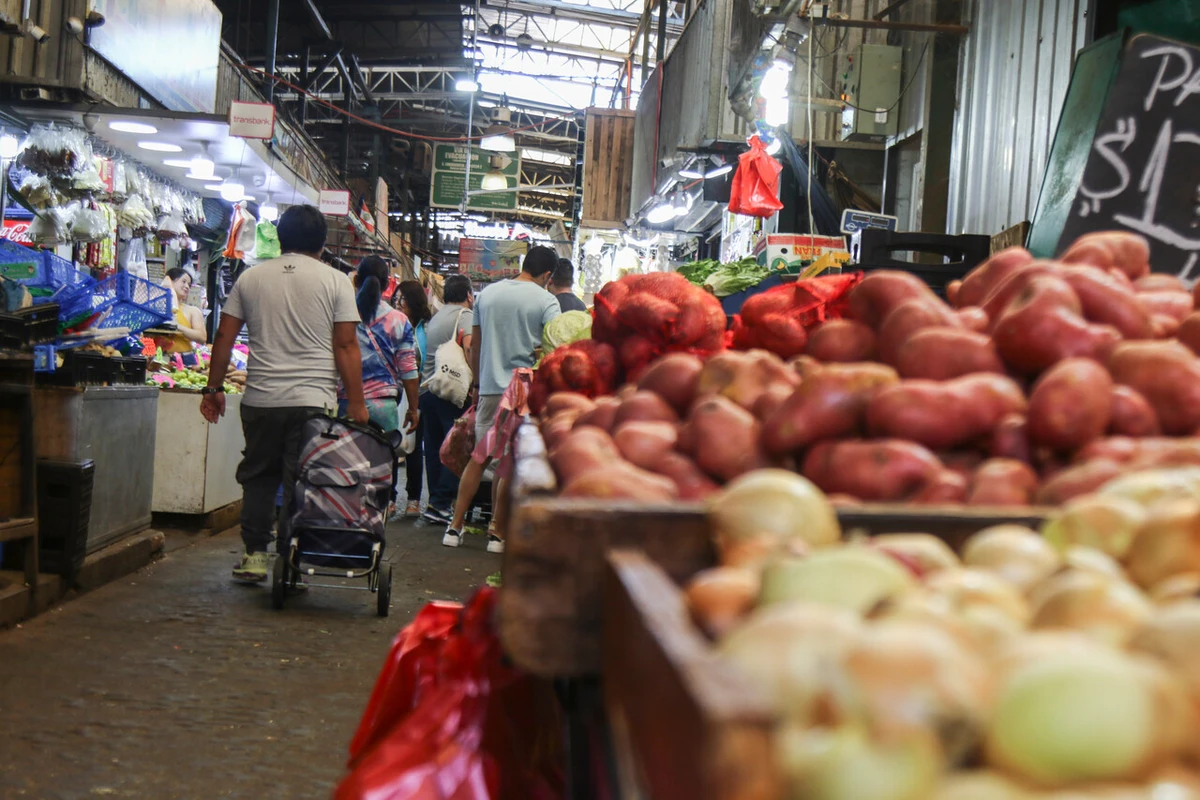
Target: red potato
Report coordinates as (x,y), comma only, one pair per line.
(964,462)
(877,471)
(882,291)
(1003,482)
(567,401)
(804,365)
(980,281)
(1160,283)
(647,313)
(842,341)
(1121,449)
(603,416)
(643,444)
(582,450)
(944,415)
(635,352)
(973,318)
(1070,405)
(644,406)
(830,403)
(1164,326)
(772,400)
(1006,290)
(723,438)
(952,290)
(943,353)
(946,487)
(1189,332)
(1176,305)
(1130,414)
(744,376)
(1107,300)
(1167,374)
(620,480)
(1042,326)
(673,378)
(1076,480)
(690,481)
(1147,451)
(556,429)
(1010,439)
(1123,250)
(907,319)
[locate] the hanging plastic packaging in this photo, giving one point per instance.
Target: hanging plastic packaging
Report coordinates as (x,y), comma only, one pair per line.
(266,241)
(755,190)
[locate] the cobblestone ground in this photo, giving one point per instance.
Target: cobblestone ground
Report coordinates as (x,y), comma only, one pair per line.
(177,683)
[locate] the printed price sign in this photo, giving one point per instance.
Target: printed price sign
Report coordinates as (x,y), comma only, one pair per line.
(1141,173)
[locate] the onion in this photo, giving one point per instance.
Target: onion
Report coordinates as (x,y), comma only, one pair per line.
(1080,714)
(968,589)
(1169,543)
(1172,636)
(1184,586)
(979,785)
(845,764)
(1106,609)
(1107,523)
(1015,553)
(718,598)
(907,678)
(984,630)
(1151,486)
(791,652)
(927,552)
(853,577)
(755,551)
(775,502)
(1089,559)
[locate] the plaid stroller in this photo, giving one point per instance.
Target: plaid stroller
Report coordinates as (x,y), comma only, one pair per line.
(345,480)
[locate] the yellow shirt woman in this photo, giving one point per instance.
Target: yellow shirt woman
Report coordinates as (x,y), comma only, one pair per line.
(188,319)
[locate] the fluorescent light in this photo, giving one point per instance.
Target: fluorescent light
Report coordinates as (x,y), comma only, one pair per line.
(9,146)
(160,147)
(693,174)
(268,211)
(178,162)
(663,212)
(233,192)
(499,142)
(466,85)
(132,127)
(213,187)
(716,172)
(249,198)
(202,166)
(493,181)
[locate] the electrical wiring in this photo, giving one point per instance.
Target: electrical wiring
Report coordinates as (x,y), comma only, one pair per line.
(899,98)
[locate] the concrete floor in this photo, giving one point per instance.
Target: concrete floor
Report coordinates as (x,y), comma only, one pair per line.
(177,683)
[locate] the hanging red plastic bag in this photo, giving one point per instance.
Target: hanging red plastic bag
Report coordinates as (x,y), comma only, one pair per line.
(459,443)
(755,190)
(779,319)
(448,720)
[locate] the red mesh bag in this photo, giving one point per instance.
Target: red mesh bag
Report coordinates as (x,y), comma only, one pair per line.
(755,188)
(645,316)
(587,367)
(448,720)
(459,443)
(779,319)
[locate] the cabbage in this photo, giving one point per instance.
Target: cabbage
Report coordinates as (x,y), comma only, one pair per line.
(567,327)
(735,277)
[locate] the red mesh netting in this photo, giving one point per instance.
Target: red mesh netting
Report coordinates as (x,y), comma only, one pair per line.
(778,319)
(587,367)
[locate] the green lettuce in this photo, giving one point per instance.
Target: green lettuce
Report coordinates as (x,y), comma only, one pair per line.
(567,327)
(698,271)
(735,277)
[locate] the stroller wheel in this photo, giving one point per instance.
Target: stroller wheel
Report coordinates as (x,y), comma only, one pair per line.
(279,581)
(383,597)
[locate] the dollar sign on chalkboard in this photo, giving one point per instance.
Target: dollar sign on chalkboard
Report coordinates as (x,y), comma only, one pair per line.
(1143,173)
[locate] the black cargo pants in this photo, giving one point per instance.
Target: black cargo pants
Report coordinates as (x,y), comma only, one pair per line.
(270,458)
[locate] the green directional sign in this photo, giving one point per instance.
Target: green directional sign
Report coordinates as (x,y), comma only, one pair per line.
(450,173)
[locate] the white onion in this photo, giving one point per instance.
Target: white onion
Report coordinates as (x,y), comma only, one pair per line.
(846,764)
(776,502)
(927,552)
(1172,637)
(979,785)
(719,597)
(1108,523)
(1106,609)
(984,630)
(1015,553)
(1151,486)
(1184,586)
(854,577)
(1169,543)
(968,589)
(1089,559)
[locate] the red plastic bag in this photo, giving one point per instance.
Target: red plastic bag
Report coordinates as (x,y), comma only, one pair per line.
(459,443)
(447,720)
(755,189)
(779,319)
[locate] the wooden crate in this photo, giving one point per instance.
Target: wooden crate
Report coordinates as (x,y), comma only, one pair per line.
(607,167)
(551,609)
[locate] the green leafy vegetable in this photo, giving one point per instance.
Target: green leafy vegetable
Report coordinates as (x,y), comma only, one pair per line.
(736,276)
(698,271)
(566,328)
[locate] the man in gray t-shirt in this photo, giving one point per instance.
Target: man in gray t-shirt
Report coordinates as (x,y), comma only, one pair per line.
(302,321)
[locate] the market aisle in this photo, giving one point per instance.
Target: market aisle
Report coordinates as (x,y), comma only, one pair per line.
(176,683)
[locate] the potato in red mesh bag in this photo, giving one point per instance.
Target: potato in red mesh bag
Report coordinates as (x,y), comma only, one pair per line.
(587,367)
(778,319)
(645,316)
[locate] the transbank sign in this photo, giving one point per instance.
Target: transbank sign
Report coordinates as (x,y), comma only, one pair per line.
(251,120)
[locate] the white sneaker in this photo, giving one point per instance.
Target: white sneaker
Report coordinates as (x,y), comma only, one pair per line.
(452,538)
(495,544)
(253,567)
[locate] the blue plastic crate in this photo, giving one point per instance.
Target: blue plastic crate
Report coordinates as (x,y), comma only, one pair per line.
(21,263)
(78,303)
(140,304)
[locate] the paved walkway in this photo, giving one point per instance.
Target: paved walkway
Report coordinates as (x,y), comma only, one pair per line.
(176,683)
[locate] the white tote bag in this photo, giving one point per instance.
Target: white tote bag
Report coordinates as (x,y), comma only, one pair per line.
(451,379)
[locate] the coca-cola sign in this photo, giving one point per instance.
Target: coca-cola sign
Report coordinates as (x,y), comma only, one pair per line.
(16,230)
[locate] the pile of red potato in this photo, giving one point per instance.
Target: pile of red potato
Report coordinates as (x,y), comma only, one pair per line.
(1039,381)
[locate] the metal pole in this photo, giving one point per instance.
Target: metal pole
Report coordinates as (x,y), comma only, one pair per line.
(471,111)
(304,70)
(272,46)
(662,30)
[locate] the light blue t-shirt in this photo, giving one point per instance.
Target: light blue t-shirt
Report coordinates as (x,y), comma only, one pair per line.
(510,315)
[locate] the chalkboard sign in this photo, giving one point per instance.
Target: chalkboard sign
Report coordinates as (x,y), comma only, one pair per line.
(1143,173)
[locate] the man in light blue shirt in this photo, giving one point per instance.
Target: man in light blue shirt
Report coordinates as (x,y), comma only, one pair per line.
(509,318)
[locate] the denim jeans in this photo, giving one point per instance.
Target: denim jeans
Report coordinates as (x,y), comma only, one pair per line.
(270,458)
(437,418)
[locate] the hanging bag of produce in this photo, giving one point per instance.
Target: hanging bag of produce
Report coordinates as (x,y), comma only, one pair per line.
(755,190)
(266,241)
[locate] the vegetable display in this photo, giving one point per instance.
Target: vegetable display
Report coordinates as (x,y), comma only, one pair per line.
(1028,668)
(1038,382)
(736,276)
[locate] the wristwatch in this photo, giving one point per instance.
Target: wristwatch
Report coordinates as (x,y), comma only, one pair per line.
(213,390)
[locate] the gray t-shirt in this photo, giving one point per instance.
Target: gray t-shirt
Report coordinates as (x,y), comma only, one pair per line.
(510,315)
(289,305)
(441,329)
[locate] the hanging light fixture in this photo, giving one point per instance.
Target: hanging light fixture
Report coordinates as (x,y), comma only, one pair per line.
(693,171)
(720,167)
(494,179)
(467,84)
(268,211)
(232,191)
(661,213)
(9,146)
(681,204)
(498,138)
(202,165)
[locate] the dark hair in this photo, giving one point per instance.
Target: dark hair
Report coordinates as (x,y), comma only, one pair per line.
(564,273)
(540,261)
(456,289)
(372,274)
(418,304)
(177,273)
(301,230)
